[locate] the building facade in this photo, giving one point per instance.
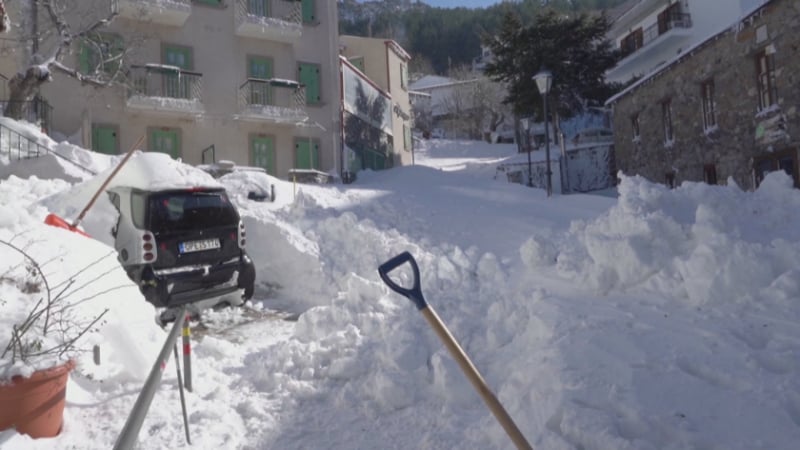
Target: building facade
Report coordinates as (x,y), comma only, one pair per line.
(728,108)
(385,63)
(649,33)
(252,81)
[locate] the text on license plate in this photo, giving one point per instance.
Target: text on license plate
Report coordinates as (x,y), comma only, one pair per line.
(198,246)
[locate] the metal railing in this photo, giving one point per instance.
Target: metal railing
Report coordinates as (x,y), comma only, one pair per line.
(37,111)
(19,147)
(203,155)
(265,12)
(674,19)
(155,80)
(262,95)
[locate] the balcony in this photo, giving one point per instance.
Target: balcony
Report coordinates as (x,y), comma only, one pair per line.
(164,12)
(276,20)
(165,89)
(275,100)
(643,49)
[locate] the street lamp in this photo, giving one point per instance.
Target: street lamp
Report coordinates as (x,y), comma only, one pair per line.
(526,125)
(544,79)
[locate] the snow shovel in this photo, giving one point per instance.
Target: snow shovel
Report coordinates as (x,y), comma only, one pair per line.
(56,221)
(415,295)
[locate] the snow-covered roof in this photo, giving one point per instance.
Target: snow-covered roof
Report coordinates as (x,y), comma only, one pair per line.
(429,81)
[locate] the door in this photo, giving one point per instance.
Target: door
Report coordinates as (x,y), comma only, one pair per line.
(783,160)
(104,139)
(258,8)
(175,84)
(166,140)
(260,68)
(262,153)
(306,154)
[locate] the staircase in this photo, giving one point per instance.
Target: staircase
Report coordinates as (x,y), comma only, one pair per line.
(16,146)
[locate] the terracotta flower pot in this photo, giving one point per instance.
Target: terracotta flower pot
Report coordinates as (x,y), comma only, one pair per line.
(35,405)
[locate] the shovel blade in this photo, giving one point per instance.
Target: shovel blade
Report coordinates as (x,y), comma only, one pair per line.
(55,221)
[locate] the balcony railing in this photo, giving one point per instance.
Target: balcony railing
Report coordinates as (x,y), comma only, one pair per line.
(164,12)
(271,19)
(673,20)
(165,88)
(275,100)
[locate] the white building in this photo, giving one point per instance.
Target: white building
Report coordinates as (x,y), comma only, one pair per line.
(651,32)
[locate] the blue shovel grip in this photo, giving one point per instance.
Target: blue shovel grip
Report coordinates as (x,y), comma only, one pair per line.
(414,293)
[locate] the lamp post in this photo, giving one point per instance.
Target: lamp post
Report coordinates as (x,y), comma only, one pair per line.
(526,125)
(544,79)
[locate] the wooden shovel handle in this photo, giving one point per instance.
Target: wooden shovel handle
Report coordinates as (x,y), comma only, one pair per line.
(108,180)
(476,379)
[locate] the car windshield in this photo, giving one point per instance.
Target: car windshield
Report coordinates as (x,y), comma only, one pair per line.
(190,210)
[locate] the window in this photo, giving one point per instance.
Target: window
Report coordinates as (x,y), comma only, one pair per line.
(309,11)
(635,126)
(709,109)
(101,53)
(104,139)
(765,76)
(259,8)
(406,138)
(632,42)
(404,76)
(666,117)
(262,152)
(165,140)
(710,174)
(358,62)
(309,76)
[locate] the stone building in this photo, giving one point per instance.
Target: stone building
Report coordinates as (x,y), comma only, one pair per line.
(727,107)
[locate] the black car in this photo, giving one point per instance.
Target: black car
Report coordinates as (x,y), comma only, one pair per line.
(183,246)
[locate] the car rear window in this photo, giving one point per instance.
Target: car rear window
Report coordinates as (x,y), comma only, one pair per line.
(184,210)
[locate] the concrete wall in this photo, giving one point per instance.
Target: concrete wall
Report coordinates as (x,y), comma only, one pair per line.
(744,136)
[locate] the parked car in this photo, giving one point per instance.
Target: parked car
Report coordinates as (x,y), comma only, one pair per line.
(258,187)
(182,246)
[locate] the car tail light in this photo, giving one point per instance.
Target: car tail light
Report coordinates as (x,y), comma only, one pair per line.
(242,234)
(149,252)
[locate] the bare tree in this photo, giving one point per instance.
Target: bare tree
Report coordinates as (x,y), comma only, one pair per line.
(474,106)
(47,32)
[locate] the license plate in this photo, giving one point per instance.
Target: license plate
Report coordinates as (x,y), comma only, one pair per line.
(198,246)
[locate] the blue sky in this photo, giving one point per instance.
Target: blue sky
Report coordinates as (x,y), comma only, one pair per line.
(464,3)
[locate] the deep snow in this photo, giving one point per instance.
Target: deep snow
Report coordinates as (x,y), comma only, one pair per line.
(662,319)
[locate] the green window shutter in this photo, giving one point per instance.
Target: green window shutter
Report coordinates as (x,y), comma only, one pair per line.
(83,58)
(306,154)
(104,139)
(309,14)
(309,76)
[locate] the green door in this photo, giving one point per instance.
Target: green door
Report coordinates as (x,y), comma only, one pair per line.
(306,154)
(176,86)
(262,153)
(260,91)
(104,139)
(166,140)
(309,76)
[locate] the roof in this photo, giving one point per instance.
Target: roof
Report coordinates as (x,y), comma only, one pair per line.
(428,81)
(689,52)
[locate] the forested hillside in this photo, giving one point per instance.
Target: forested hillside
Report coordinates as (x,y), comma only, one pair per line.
(444,38)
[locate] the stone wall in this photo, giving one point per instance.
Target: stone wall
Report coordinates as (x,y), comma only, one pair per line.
(744,137)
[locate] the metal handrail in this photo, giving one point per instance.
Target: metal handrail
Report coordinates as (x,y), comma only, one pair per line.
(37,111)
(675,20)
(246,11)
(27,148)
(261,92)
(206,150)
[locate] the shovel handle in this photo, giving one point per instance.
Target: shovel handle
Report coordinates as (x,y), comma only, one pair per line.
(415,292)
